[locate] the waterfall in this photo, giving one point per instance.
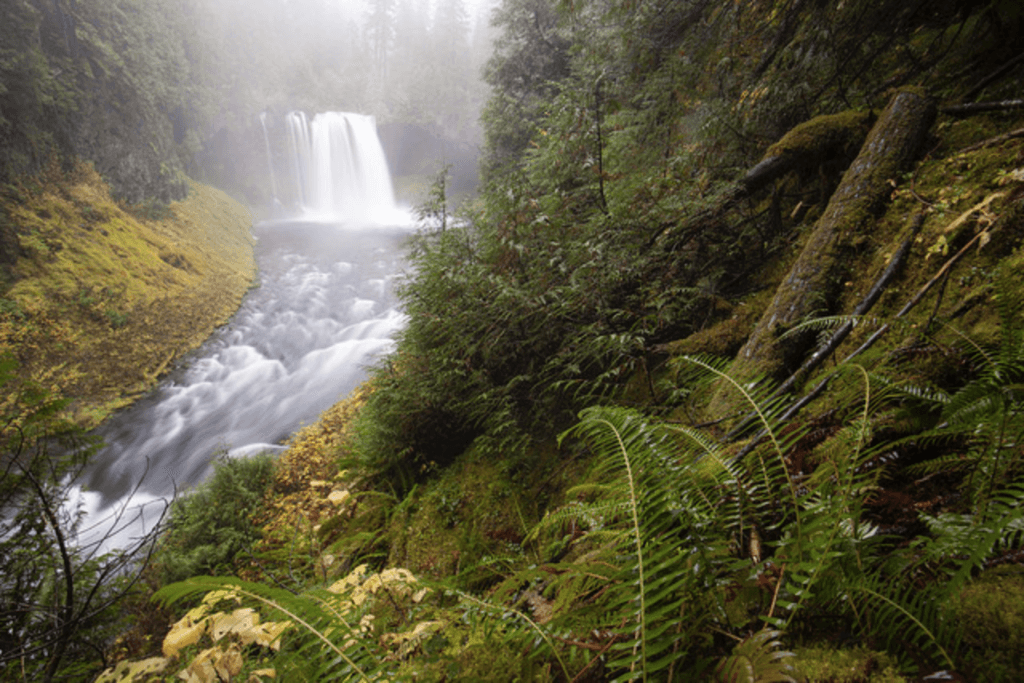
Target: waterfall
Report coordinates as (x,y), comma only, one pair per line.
(270,157)
(339,168)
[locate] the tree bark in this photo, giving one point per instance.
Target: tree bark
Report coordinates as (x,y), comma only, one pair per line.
(815,279)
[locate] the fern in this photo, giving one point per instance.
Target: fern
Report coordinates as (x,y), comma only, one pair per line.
(476,603)
(828,323)
(654,583)
(910,618)
(961,544)
(757,659)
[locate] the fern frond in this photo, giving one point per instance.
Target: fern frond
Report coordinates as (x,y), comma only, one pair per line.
(969,540)
(929,396)
(829,323)
(652,584)
(913,618)
(504,612)
(765,407)
(757,659)
(582,516)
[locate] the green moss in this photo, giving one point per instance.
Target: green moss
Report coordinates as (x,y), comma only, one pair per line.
(479,651)
(854,665)
(991,611)
(823,135)
(477,512)
(96,312)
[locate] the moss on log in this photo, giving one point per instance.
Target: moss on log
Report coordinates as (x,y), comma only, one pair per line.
(813,282)
(809,144)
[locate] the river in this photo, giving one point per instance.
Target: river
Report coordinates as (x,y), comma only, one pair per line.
(323,311)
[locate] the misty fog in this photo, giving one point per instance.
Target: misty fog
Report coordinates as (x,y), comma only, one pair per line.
(413,65)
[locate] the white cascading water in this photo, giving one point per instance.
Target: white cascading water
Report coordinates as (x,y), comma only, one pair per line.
(340,169)
(324,310)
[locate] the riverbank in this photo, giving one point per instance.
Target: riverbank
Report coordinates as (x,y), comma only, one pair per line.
(98,299)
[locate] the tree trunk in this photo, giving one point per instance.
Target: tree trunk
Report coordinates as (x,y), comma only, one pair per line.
(815,279)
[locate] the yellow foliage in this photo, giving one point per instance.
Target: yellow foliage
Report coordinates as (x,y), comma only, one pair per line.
(242,625)
(406,642)
(241,621)
(308,486)
(214,665)
(355,590)
(125,672)
(184,633)
(338,498)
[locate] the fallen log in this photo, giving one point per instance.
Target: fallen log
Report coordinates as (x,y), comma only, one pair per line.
(791,411)
(806,146)
(815,279)
(840,335)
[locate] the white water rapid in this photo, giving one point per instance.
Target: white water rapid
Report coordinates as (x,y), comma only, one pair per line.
(323,311)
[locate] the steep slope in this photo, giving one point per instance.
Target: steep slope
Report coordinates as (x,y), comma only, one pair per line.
(99,301)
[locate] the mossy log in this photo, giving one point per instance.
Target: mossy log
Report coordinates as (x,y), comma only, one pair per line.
(807,145)
(814,281)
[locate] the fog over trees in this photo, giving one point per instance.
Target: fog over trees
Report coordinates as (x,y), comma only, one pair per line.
(150,91)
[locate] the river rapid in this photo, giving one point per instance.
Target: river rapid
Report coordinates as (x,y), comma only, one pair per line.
(323,311)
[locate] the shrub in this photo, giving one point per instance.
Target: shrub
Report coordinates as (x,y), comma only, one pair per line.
(211,525)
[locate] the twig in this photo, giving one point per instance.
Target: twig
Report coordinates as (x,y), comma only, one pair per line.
(999,139)
(600,653)
(981,107)
(938,303)
(992,77)
(775,595)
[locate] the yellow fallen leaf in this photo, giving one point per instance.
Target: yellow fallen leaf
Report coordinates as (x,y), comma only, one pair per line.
(125,672)
(239,622)
(268,634)
(338,497)
(201,669)
(229,663)
(183,634)
(354,578)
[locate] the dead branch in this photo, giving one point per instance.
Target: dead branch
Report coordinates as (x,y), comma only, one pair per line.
(790,412)
(997,140)
(982,107)
(843,332)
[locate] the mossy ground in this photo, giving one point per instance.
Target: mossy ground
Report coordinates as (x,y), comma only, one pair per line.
(100,298)
(991,610)
(825,664)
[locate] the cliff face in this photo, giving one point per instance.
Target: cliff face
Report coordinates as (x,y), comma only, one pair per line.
(99,301)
